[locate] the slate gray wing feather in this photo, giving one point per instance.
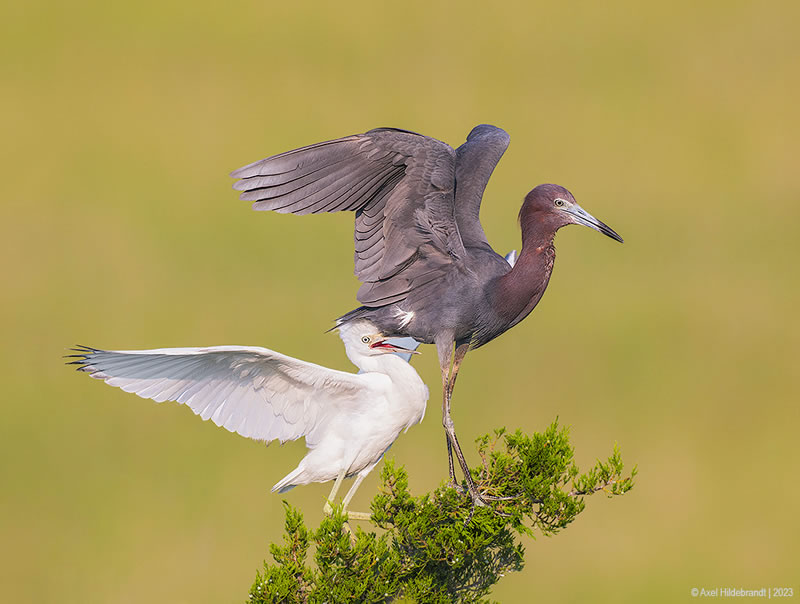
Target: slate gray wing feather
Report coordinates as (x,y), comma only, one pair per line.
(253,391)
(399,183)
(476,159)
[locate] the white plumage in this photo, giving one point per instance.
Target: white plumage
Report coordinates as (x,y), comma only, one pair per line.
(348,420)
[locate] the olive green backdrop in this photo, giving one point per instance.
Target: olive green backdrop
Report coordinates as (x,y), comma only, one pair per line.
(675,123)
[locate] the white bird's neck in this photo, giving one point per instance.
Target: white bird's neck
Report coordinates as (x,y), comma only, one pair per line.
(392,365)
(408,391)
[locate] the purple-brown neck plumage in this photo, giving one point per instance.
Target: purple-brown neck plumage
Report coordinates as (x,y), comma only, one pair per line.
(517,292)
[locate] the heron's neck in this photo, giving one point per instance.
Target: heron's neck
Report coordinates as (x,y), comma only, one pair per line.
(518,291)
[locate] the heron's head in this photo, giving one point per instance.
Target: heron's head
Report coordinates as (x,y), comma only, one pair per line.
(363,338)
(555,207)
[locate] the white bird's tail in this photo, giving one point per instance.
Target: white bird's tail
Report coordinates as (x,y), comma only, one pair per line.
(287,483)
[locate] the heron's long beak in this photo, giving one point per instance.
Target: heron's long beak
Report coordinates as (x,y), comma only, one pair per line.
(386,345)
(581,216)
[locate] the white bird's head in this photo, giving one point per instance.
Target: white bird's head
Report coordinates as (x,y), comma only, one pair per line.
(362,338)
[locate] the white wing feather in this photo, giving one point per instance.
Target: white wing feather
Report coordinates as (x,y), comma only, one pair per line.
(253,391)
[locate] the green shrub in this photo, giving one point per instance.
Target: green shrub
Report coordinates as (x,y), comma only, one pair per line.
(439,547)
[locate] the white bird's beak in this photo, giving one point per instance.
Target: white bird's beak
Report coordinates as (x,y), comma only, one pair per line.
(389,347)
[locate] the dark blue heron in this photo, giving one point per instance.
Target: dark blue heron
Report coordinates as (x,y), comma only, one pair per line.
(426,267)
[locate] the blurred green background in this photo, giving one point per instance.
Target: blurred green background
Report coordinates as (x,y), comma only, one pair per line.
(676,123)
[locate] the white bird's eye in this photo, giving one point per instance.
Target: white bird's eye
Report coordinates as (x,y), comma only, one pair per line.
(560,203)
(365,339)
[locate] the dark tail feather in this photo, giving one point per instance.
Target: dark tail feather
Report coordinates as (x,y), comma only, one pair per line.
(358,313)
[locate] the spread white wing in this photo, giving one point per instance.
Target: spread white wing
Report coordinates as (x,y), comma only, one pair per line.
(249,390)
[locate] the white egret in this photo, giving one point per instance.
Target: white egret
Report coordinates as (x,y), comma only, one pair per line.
(348,420)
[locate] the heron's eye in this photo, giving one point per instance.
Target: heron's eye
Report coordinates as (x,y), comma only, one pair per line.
(560,203)
(366,339)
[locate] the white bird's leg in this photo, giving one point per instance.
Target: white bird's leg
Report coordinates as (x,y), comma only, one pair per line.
(328,507)
(349,496)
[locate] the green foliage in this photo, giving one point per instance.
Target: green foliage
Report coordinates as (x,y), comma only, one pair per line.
(438,547)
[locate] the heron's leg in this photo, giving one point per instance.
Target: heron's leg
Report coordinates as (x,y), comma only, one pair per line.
(327,508)
(450,466)
(444,348)
(461,351)
(349,496)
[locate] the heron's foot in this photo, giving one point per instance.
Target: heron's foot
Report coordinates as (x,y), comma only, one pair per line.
(478,500)
(358,515)
(327,509)
(452,484)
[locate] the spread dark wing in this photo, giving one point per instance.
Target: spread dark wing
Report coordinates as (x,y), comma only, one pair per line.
(400,184)
(475,162)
